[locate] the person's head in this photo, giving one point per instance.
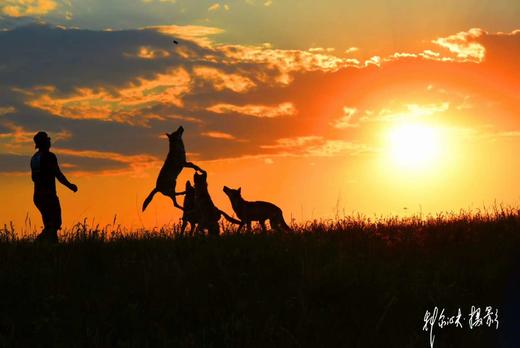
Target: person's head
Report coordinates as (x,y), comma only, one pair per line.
(42,141)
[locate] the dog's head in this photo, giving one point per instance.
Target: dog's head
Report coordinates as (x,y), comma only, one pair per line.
(200,179)
(189,187)
(233,193)
(175,136)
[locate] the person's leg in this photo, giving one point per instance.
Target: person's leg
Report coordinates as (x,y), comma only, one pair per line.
(49,207)
(55,208)
(40,205)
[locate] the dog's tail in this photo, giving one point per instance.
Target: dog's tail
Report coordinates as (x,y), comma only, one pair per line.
(285,226)
(229,218)
(281,222)
(149,198)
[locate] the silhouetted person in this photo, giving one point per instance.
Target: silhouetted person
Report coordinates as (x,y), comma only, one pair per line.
(44,171)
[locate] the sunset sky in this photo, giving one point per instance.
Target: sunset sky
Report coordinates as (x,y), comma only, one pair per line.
(321,107)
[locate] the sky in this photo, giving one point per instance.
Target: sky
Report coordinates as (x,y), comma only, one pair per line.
(326,108)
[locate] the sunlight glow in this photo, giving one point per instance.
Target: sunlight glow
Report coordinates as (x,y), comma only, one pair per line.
(414,146)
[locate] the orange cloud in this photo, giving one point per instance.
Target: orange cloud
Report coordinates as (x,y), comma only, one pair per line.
(137,164)
(464,45)
(411,111)
(347,120)
(218,135)
(19,8)
(216,6)
(19,141)
(124,105)
(286,61)
(222,80)
(146,52)
(316,146)
(196,33)
(262,111)
(4,110)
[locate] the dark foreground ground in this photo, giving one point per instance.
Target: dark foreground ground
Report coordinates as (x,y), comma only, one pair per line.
(351,283)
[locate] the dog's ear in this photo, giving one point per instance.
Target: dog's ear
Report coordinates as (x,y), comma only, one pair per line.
(239,190)
(168,135)
(188,184)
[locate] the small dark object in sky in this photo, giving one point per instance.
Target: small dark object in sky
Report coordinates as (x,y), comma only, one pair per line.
(175,42)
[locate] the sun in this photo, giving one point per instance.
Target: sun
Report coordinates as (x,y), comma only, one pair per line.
(414,146)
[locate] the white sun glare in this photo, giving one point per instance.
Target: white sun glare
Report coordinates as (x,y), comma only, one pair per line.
(414,146)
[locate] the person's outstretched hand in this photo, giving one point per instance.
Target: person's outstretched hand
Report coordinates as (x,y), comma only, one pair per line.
(73,188)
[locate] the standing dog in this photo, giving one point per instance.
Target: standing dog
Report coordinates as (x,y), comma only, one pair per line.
(208,214)
(190,213)
(255,211)
(172,167)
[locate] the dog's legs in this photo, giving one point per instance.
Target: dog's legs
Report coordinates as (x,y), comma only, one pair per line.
(173,196)
(240,227)
(194,166)
(249,226)
(262,223)
(175,204)
(183,227)
(214,229)
(197,230)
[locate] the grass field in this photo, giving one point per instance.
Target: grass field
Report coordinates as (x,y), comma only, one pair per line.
(353,282)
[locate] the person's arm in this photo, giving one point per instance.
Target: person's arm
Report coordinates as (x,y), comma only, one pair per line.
(62,179)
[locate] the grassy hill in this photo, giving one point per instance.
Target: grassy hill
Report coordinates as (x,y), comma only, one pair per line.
(353,282)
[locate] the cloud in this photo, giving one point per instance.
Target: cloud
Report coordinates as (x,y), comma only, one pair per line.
(222,80)
(214,7)
(406,112)
(98,86)
(123,105)
(347,120)
(321,49)
(218,135)
(196,33)
(19,141)
(374,60)
(20,8)
(315,146)
(4,110)
(135,165)
(262,111)
(465,45)
(145,52)
(286,61)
